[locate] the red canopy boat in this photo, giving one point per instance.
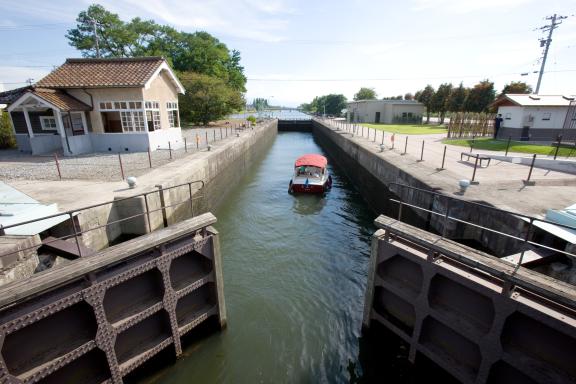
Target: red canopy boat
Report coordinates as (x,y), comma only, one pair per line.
(310,175)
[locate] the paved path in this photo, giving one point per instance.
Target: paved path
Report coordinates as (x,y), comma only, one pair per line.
(501,184)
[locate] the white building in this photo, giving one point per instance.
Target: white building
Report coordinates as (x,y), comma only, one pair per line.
(537,117)
(385,111)
(98,105)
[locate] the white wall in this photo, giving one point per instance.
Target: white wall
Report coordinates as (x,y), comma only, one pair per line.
(518,114)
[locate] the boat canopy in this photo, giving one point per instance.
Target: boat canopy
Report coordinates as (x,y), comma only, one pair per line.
(312,160)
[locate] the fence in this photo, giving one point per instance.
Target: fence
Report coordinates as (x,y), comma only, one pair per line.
(113,166)
(154,202)
(464,124)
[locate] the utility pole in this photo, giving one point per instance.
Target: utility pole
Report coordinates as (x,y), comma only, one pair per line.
(30,81)
(93,22)
(555,21)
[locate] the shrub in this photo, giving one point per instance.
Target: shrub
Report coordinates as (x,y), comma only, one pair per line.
(7,139)
(251,119)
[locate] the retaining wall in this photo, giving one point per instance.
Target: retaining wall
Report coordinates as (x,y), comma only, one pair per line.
(373,173)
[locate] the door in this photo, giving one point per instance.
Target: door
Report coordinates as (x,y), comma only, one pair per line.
(377,117)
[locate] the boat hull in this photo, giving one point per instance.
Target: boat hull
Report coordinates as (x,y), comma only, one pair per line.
(297,186)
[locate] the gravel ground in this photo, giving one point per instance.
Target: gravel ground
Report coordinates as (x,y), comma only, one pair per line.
(104,166)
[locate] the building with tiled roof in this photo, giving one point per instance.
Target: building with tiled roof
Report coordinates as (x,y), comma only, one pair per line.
(537,117)
(98,105)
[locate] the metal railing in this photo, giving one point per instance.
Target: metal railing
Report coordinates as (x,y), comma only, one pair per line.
(194,193)
(526,240)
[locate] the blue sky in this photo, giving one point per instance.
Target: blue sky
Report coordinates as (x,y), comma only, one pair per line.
(293,50)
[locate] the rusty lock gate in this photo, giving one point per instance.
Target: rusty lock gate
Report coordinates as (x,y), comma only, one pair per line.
(98,318)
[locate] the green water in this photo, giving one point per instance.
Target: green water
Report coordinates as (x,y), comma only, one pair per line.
(294,278)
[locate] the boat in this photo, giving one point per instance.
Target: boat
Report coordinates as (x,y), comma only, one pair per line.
(310,175)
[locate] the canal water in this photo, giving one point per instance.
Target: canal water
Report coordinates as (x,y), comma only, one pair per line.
(295,272)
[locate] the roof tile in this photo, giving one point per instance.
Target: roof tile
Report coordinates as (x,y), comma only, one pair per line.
(102,73)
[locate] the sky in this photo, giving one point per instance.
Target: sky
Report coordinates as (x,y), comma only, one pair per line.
(293,50)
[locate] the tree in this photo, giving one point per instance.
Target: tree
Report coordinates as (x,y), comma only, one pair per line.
(197,52)
(480,97)
(365,94)
(207,98)
(408,96)
(329,104)
(260,104)
(425,97)
(457,99)
(440,100)
(7,139)
(516,87)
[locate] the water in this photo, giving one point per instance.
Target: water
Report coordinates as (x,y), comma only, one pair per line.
(295,272)
(286,114)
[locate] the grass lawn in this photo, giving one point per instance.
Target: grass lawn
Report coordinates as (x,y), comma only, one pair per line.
(408,129)
(515,146)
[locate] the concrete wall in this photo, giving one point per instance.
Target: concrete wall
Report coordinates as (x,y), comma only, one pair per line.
(80,144)
(23,143)
(160,138)
(43,144)
(119,142)
(373,174)
(516,118)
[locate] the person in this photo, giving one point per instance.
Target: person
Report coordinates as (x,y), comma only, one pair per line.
(497,122)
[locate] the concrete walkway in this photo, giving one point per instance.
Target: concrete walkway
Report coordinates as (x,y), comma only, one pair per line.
(501,184)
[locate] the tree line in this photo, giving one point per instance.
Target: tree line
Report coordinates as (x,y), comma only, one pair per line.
(446,98)
(210,72)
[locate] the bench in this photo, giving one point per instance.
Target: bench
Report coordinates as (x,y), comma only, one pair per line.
(475,156)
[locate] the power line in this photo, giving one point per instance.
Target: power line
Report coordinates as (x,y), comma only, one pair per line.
(396,78)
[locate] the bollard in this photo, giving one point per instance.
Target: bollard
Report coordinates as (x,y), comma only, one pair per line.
(121,167)
(443,158)
(374,134)
(406,146)
(220,133)
(214,134)
(392,140)
(472,143)
(558,146)
(475,166)
(197,141)
(382,138)
(170,150)
(57,166)
(185,146)
(149,157)
(206,137)
(422,152)
(508,145)
(531,168)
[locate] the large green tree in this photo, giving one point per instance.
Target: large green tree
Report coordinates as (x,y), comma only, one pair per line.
(197,52)
(365,94)
(516,87)
(425,97)
(207,98)
(480,97)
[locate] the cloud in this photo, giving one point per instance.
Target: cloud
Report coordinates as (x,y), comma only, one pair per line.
(258,20)
(467,6)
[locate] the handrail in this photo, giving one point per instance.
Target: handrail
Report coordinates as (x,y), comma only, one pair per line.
(147,212)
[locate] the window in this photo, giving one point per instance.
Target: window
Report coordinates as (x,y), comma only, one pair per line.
(508,116)
(123,116)
(48,123)
(173,118)
(153,120)
(546,115)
